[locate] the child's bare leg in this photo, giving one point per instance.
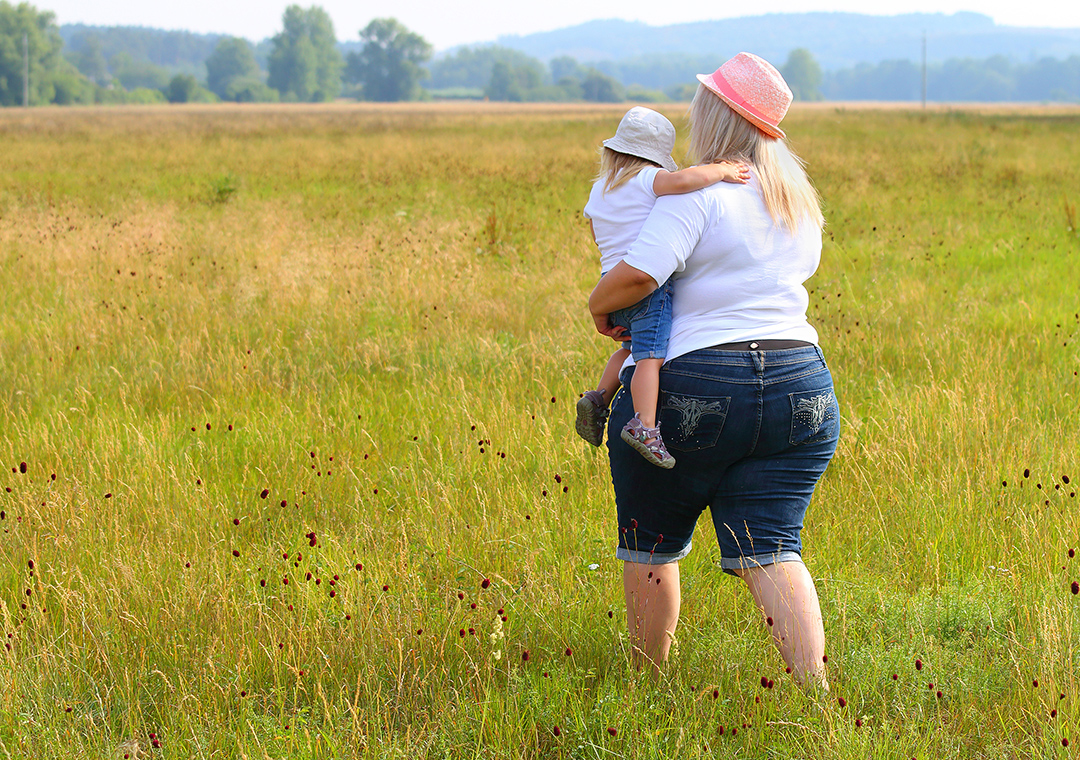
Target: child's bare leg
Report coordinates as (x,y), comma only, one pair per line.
(645,389)
(609,381)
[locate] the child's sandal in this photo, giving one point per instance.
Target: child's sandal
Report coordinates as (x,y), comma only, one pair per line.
(636,434)
(591,417)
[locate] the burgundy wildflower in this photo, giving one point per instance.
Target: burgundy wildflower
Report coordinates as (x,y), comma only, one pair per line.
(485,583)
(556,730)
(918,664)
(764,682)
(716,695)
(1075,587)
(236,552)
(858,723)
(769,621)
(614,732)
(265,493)
(841,701)
(22,467)
(525,655)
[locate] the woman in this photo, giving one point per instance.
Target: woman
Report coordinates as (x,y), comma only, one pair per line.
(747,403)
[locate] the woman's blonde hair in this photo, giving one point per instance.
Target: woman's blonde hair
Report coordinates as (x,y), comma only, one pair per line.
(717,133)
(616,169)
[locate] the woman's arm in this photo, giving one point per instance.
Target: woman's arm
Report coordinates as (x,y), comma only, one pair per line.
(621,287)
(667,239)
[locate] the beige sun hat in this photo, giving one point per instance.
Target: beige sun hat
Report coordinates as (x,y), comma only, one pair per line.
(646,134)
(754,89)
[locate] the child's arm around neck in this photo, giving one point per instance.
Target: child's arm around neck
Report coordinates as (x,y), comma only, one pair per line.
(697,177)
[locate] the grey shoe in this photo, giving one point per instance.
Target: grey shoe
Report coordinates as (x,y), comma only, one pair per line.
(591,417)
(636,434)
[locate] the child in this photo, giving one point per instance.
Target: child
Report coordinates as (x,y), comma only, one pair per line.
(630,180)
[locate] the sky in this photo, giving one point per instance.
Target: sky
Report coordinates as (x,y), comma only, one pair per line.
(447,24)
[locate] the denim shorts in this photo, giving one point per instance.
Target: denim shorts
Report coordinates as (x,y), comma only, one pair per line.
(753,432)
(649,323)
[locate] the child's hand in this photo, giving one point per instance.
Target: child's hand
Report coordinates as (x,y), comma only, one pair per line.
(738,173)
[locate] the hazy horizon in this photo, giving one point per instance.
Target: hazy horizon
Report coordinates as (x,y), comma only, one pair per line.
(483,21)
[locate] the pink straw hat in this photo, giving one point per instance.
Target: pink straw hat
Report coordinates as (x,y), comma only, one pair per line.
(754,89)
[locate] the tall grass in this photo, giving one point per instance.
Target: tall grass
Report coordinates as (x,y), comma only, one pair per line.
(239,346)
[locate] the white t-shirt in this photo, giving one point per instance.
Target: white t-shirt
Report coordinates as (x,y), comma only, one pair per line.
(617,215)
(738,275)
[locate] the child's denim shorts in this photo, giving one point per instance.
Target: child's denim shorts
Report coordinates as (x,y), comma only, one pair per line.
(649,323)
(753,432)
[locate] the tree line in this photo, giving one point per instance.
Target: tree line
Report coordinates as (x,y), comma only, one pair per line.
(304,62)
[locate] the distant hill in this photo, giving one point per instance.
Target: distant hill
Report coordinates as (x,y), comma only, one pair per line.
(836,40)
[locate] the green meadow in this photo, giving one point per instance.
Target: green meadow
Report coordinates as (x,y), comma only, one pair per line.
(288,469)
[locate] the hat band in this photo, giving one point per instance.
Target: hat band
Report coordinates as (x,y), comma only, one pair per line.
(728,92)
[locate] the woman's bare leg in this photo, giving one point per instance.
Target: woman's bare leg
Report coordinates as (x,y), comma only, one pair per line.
(786,594)
(652,610)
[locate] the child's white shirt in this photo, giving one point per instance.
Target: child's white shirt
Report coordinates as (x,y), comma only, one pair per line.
(617,215)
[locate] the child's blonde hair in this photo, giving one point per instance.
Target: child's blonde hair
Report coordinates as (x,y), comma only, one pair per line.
(616,169)
(717,133)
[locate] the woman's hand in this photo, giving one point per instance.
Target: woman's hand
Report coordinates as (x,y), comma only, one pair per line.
(604,327)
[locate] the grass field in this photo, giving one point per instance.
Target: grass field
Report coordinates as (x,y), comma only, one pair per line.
(289,469)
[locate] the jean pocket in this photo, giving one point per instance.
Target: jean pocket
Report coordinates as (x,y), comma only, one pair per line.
(815,416)
(690,423)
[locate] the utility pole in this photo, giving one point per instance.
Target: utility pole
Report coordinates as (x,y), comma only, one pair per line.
(26,70)
(924,69)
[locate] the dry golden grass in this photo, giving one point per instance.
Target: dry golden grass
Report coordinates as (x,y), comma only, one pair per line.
(386,304)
